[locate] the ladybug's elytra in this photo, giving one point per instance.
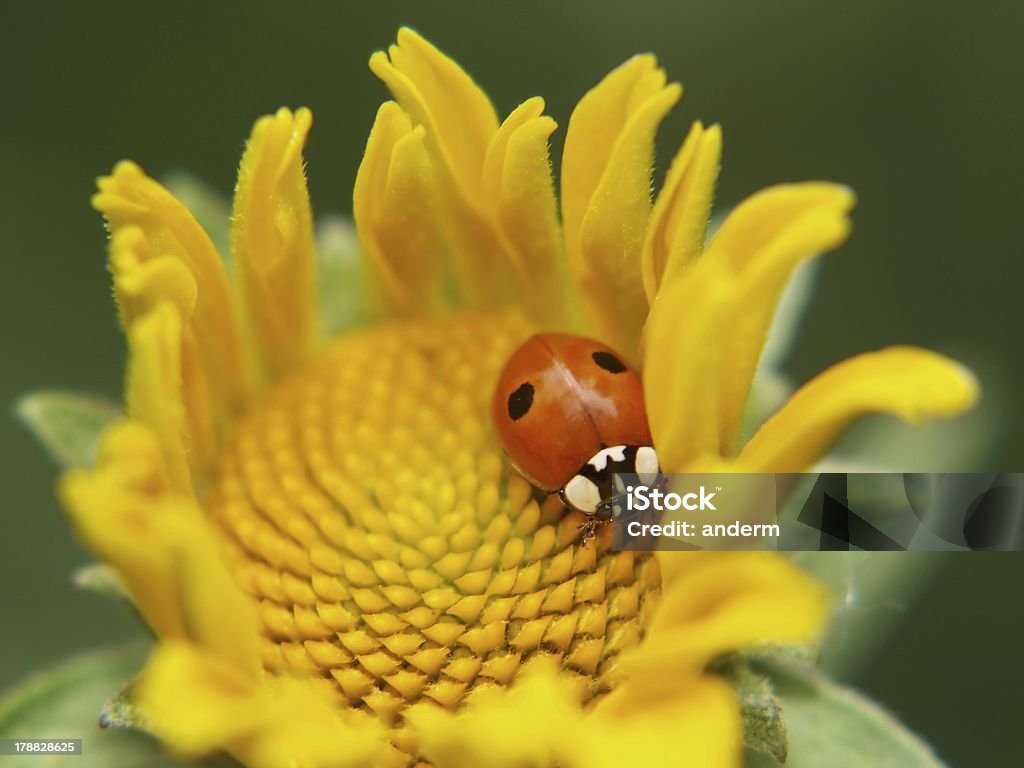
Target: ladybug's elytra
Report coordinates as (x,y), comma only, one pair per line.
(570,414)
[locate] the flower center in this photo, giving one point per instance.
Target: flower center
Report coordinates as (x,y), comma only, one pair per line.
(365,504)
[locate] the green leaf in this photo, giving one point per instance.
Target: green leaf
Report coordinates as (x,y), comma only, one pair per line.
(829,725)
(68,424)
(764,729)
(65,703)
(962,444)
(343,301)
(770,388)
(101,579)
(788,314)
(871,592)
(787,655)
(121,712)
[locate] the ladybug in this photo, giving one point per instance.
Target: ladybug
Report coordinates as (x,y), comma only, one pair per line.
(570,414)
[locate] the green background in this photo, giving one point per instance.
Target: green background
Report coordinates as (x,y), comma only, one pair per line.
(916,105)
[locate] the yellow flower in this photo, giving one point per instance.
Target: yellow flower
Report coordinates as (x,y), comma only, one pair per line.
(338,564)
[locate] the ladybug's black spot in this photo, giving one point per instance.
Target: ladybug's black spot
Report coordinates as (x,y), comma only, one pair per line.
(609,362)
(519,402)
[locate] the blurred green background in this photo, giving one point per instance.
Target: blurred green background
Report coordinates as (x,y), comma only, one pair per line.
(916,105)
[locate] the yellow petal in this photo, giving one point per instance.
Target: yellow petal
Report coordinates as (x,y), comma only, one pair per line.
(219,616)
(536,722)
(456,152)
(594,127)
(521,196)
(679,221)
(763,241)
(606,183)
(697,723)
(201,419)
(142,282)
(305,730)
(154,392)
(111,512)
(912,384)
(718,603)
(162,546)
(198,704)
(774,213)
(684,361)
(459,118)
(129,199)
(394,212)
(708,324)
(272,242)
(495,201)
(497,148)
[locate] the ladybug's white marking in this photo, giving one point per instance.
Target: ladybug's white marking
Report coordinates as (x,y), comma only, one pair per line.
(582,494)
(647,461)
(617,453)
(597,482)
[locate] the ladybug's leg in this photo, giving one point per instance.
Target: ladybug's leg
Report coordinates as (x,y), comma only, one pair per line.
(603,514)
(588,529)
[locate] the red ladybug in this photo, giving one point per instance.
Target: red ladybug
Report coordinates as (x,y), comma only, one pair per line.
(571,414)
